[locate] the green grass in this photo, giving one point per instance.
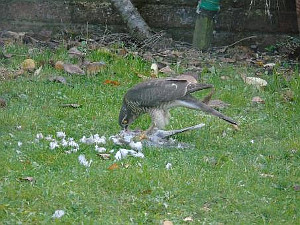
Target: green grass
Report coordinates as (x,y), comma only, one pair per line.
(225,179)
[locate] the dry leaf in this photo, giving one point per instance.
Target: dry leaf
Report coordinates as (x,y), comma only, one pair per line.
(112,82)
(38,71)
(206,207)
(28,65)
(146,192)
(2,103)
(266,175)
(71,105)
(259,63)
(58,79)
(167,70)
(235,127)
(269,65)
(227,60)
(167,222)
(104,156)
(113,166)
(122,51)
(254,81)
(288,96)
(188,219)
(74,52)
(225,78)
(30,179)
(126,166)
(59,65)
(258,99)
(73,69)
(218,104)
(94,67)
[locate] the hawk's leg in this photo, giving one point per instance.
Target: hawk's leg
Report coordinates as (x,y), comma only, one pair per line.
(160,119)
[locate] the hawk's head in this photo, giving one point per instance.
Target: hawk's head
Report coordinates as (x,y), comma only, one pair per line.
(126,116)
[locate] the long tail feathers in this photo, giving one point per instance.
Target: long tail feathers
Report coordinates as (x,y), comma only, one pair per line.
(193,103)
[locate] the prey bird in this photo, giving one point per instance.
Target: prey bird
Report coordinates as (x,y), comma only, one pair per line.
(157,96)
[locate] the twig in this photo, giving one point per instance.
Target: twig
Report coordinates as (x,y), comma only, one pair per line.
(243,39)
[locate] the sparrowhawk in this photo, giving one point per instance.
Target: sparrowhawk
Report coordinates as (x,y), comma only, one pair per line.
(158,96)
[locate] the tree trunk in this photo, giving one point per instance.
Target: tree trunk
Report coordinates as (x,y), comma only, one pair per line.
(138,28)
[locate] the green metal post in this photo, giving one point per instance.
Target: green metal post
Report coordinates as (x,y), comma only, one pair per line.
(204,26)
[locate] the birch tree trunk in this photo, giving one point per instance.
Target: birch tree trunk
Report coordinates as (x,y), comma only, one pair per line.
(138,28)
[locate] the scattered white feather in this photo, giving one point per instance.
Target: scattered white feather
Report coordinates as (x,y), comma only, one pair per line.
(20,143)
(128,137)
(88,141)
(252,141)
(18,152)
(168,166)
(99,140)
(49,138)
(72,143)
(39,136)
(123,153)
(64,142)
(136,145)
(71,150)
(58,214)
(83,161)
(53,145)
(100,149)
(60,134)
(112,151)
(115,140)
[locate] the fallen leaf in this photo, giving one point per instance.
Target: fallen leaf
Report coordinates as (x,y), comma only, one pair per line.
(38,71)
(59,65)
(227,60)
(72,105)
(235,127)
(94,67)
(206,207)
(126,166)
(259,63)
(269,65)
(254,81)
(166,70)
(74,52)
(113,166)
(218,104)
(188,219)
(58,79)
(28,65)
(2,103)
(167,222)
(73,69)
(104,156)
(288,95)
(258,99)
(112,82)
(225,78)
(122,51)
(266,175)
(30,179)
(146,192)
(142,76)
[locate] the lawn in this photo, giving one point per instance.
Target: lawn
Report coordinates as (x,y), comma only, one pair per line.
(227,176)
